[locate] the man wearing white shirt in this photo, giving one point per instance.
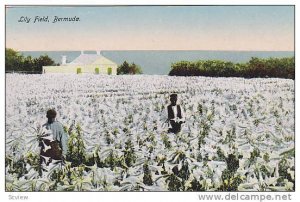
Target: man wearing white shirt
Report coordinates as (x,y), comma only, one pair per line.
(175,115)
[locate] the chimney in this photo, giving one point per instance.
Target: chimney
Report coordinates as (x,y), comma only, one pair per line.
(63,60)
(98,52)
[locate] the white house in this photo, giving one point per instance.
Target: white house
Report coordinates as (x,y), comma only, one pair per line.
(85,63)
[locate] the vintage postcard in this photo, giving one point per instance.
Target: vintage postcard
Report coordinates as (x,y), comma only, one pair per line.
(150,98)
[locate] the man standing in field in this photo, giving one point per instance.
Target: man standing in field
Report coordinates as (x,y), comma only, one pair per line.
(54,145)
(175,115)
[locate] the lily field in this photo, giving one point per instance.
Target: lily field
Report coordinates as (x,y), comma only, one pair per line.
(238,133)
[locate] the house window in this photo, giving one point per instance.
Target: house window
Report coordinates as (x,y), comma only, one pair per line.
(97,70)
(109,71)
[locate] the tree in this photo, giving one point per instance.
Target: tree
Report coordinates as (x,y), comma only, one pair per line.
(13,60)
(135,69)
(122,69)
(127,68)
(43,60)
(27,64)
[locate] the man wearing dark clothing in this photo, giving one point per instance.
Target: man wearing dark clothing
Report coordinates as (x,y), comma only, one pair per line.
(175,115)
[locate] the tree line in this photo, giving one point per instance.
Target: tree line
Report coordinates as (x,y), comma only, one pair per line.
(255,67)
(16,62)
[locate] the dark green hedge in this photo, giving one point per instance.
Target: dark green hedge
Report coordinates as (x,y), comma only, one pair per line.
(256,67)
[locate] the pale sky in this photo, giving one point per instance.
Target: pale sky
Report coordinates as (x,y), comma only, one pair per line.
(257,28)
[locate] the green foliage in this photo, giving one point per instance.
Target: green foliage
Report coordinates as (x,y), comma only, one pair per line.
(57,177)
(112,160)
(76,151)
(232,163)
(13,60)
(184,172)
(204,131)
(34,161)
(41,61)
(16,62)
(256,67)
(147,179)
(220,154)
(266,157)
(180,174)
(230,136)
(109,140)
(200,109)
(174,183)
(127,68)
(231,180)
(166,141)
(254,154)
(129,154)
(195,186)
(283,167)
(16,167)
(97,70)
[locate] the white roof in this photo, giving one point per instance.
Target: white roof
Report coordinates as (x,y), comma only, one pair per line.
(88,59)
